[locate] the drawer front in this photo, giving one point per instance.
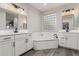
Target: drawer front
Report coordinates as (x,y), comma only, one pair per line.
(6,38)
(21,36)
(62,44)
(62,38)
(62,41)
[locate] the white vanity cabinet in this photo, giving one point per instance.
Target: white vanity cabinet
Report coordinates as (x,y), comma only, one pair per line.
(16,44)
(78,45)
(6,46)
(68,40)
(23,43)
(78,42)
(72,40)
(30,42)
(62,39)
(20,43)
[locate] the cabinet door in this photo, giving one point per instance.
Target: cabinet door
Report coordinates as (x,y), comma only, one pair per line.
(20,46)
(62,41)
(29,42)
(72,41)
(7,49)
(78,43)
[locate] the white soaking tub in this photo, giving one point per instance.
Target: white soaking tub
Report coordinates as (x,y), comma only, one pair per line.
(44,40)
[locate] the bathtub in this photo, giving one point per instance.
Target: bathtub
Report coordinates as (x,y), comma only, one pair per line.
(44,40)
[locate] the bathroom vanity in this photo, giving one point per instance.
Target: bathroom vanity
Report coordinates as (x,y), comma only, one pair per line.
(69,36)
(7,45)
(15,43)
(23,43)
(69,39)
(15,39)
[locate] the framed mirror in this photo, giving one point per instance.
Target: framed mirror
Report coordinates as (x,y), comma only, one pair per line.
(68,22)
(11,20)
(77,22)
(22,22)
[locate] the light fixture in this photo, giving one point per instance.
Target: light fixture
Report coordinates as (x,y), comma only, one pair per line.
(45,4)
(68,11)
(17,7)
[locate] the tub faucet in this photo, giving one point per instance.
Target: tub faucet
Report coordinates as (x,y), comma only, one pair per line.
(55,35)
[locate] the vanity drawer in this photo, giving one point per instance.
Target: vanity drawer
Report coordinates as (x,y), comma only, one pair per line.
(21,36)
(6,38)
(62,38)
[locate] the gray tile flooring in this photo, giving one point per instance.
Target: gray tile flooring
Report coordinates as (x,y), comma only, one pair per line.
(52,52)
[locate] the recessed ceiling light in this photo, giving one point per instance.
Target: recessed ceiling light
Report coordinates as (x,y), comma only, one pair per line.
(45,4)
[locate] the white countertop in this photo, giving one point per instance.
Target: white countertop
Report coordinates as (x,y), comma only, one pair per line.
(62,31)
(21,32)
(10,32)
(71,31)
(75,31)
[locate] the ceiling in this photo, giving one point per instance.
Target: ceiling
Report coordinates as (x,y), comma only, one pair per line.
(45,7)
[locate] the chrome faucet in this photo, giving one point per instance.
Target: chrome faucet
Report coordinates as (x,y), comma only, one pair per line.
(16,30)
(55,35)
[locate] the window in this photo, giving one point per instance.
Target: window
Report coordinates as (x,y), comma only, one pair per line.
(49,22)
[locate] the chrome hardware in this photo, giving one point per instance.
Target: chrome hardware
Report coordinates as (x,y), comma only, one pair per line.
(26,40)
(41,34)
(62,43)
(55,35)
(13,44)
(66,38)
(62,37)
(30,35)
(8,38)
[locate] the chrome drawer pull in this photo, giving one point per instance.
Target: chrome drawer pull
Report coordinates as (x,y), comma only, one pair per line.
(26,40)
(62,37)
(8,38)
(62,43)
(30,35)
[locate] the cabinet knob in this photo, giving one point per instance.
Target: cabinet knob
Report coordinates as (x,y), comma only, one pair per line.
(62,37)
(62,42)
(66,38)
(30,34)
(13,44)
(26,40)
